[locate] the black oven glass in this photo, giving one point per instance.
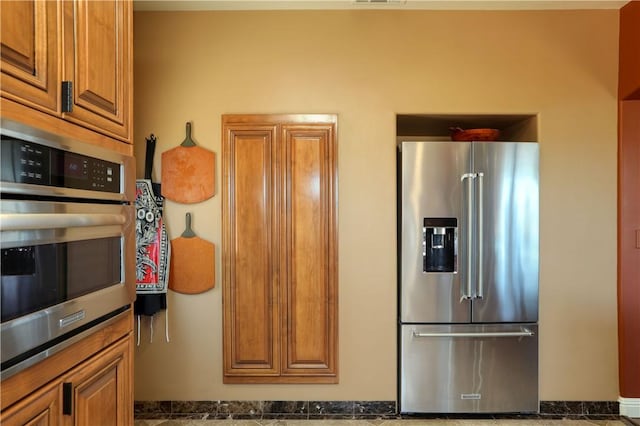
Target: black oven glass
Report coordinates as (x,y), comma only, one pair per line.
(36,277)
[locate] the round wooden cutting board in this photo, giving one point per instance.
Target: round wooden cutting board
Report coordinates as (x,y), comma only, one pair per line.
(192,268)
(188,172)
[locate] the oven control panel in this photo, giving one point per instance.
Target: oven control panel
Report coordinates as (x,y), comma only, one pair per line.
(32,163)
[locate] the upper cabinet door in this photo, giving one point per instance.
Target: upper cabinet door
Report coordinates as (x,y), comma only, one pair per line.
(98,62)
(29,53)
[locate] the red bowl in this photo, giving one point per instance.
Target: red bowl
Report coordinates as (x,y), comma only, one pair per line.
(458,134)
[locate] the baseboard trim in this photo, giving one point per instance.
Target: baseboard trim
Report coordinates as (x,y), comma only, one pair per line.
(301,410)
(629,407)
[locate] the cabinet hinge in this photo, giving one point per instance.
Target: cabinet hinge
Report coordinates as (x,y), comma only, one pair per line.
(67,96)
(67,398)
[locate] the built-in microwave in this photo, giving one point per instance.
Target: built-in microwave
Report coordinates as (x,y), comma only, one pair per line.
(67,242)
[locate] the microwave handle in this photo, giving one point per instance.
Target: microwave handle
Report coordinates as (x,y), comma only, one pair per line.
(27,221)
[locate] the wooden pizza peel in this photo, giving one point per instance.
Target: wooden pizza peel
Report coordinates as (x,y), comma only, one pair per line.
(188,172)
(192,268)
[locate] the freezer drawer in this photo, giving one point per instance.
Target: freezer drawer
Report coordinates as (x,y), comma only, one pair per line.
(469,368)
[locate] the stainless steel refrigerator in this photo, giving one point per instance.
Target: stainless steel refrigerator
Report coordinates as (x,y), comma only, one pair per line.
(468,277)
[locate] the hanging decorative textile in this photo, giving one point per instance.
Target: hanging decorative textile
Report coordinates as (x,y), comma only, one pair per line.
(153,249)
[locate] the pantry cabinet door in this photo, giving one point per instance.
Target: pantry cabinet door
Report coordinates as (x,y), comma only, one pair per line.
(309,254)
(29,52)
(250,224)
(97,46)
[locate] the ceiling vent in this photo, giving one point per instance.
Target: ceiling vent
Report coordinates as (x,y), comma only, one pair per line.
(396,2)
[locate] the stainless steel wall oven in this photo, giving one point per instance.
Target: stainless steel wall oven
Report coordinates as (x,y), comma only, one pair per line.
(67,242)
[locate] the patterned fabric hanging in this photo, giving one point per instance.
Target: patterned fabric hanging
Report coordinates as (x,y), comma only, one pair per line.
(153,249)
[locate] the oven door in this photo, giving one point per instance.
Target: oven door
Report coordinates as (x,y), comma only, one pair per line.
(66,268)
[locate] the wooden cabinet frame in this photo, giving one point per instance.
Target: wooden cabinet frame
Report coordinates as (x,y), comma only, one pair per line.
(98,372)
(629,208)
(69,64)
(280,273)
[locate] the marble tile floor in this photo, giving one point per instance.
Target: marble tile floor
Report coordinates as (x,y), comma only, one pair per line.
(408,422)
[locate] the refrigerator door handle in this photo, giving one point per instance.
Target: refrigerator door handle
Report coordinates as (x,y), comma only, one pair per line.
(480,284)
(524,332)
(468,279)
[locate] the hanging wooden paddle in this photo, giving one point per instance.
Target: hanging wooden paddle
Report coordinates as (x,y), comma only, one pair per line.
(192,262)
(188,172)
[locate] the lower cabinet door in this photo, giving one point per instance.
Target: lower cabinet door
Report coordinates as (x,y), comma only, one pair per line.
(99,391)
(469,368)
(39,409)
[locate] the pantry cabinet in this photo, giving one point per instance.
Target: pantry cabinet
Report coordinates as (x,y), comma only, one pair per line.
(90,383)
(280,249)
(71,59)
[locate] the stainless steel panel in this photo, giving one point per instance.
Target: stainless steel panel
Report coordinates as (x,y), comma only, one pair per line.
(430,185)
(469,368)
(30,331)
(25,223)
(507,251)
(32,360)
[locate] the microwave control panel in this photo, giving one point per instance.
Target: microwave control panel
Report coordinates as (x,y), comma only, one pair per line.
(32,163)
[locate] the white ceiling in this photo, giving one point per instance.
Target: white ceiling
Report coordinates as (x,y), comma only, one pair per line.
(142,5)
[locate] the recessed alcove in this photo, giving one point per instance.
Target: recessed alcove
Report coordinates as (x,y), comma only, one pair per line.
(513,127)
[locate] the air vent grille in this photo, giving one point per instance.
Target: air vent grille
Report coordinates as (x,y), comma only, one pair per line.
(379,1)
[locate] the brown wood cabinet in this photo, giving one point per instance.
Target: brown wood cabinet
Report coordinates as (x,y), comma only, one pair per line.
(90,383)
(629,206)
(280,249)
(99,390)
(629,57)
(71,59)
(97,60)
(39,409)
(42,44)
(30,67)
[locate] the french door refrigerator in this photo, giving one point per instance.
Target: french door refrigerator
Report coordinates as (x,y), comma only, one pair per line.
(468,277)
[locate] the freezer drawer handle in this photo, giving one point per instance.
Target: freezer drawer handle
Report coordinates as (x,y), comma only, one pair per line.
(523,333)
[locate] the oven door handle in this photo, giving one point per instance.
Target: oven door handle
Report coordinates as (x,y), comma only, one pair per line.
(26,221)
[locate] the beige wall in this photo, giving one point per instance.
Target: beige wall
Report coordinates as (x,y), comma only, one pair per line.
(367,66)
